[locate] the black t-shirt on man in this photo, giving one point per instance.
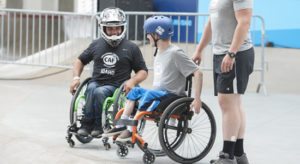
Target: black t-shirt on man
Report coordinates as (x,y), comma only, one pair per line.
(112,66)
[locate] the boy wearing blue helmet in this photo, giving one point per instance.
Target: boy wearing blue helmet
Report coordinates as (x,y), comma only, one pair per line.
(171,68)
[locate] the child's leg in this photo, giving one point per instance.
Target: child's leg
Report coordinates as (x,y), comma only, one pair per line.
(130,128)
(128,108)
(127,111)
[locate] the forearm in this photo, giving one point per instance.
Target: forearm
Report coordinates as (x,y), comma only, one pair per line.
(206,36)
(198,80)
(139,76)
(78,67)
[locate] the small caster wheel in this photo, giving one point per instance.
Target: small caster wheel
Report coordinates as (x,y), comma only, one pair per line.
(107,146)
(71,143)
(148,158)
(122,151)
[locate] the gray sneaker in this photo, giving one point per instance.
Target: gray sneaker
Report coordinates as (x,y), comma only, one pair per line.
(124,136)
(114,131)
(98,130)
(224,159)
(85,128)
(242,159)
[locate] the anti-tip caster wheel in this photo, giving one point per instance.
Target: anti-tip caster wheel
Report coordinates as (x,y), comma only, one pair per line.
(71,143)
(148,158)
(122,151)
(107,146)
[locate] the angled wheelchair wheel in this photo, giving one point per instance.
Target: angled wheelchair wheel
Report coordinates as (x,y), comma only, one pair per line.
(148,130)
(119,101)
(186,137)
(76,113)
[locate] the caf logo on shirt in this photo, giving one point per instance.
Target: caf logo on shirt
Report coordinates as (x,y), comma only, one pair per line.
(110,59)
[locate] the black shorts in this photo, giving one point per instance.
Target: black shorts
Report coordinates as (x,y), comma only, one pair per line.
(236,80)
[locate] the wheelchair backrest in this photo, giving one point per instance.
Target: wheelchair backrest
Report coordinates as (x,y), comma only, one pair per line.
(189,84)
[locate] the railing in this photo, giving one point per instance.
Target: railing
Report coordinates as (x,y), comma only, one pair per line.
(55,39)
(42,38)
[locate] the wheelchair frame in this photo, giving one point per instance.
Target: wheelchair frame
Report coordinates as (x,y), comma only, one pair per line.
(149,156)
(116,99)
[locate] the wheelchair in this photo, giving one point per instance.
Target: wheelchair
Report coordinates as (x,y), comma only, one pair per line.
(174,130)
(110,108)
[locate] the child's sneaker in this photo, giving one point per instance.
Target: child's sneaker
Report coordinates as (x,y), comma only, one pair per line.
(114,131)
(124,136)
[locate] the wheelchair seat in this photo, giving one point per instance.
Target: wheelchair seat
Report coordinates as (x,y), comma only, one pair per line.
(164,104)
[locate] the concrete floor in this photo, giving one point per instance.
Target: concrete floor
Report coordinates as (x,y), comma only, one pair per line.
(34,116)
(34,119)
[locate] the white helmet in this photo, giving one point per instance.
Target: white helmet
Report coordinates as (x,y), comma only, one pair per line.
(112,17)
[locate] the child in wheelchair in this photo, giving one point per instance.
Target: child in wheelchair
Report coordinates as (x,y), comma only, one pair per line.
(171,68)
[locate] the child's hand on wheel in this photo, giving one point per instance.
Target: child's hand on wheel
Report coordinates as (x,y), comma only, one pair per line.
(196,104)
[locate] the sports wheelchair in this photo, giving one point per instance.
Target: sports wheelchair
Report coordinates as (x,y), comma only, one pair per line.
(183,136)
(110,108)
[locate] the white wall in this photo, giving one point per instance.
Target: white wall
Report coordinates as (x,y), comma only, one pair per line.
(2,4)
(40,5)
(85,6)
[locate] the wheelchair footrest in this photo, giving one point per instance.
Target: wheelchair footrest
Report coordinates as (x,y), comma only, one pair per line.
(126,122)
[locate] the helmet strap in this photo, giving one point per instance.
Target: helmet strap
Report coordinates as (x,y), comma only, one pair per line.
(155,44)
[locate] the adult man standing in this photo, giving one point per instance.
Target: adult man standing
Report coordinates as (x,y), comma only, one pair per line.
(114,59)
(228,29)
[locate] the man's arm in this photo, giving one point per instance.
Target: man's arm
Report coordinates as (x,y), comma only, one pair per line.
(198,78)
(140,76)
(243,18)
(78,67)
(205,39)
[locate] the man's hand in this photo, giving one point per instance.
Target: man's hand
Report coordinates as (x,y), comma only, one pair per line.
(74,86)
(197,57)
(196,104)
(227,63)
(129,84)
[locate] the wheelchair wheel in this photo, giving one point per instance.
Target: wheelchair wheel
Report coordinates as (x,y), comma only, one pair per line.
(119,101)
(76,113)
(184,136)
(148,130)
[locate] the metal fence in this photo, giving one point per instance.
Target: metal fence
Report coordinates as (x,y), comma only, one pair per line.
(42,38)
(55,39)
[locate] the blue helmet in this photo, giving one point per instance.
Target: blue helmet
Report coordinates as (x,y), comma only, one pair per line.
(160,25)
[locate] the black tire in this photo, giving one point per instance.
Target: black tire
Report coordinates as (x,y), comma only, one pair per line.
(74,120)
(176,135)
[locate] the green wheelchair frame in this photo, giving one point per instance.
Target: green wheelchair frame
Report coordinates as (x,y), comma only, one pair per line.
(117,101)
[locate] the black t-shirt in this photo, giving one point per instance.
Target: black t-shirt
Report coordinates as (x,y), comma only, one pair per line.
(112,66)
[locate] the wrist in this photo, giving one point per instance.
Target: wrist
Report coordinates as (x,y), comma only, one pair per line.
(231,54)
(76,78)
(134,81)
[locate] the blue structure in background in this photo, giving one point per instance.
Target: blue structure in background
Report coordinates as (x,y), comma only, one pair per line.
(282,22)
(179,6)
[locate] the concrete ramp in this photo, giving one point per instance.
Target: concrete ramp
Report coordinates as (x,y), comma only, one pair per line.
(59,56)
